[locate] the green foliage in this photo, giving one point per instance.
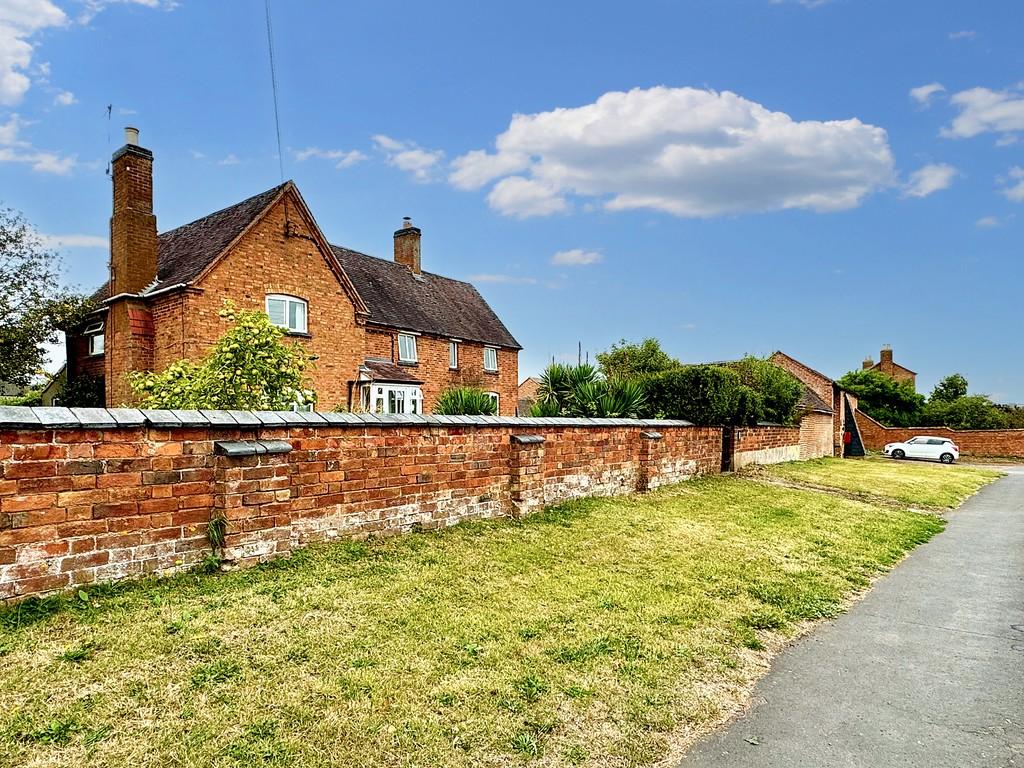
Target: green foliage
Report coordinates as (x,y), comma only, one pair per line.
(892,403)
(248,369)
(704,394)
(1014,415)
(33,305)
(29,397)
(83,392)
(465,401)
(578,390)
(967,412)
(777,389)
(950,388)
(632,361)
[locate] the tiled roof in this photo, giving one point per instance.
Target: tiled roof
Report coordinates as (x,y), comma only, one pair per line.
(184,252)
(810,401)
(395,297)
(427,303)
(385,370)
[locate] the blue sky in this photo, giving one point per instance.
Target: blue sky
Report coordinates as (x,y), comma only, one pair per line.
(730,176)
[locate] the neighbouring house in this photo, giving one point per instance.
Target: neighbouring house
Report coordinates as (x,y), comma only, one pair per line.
(385,335)
(892,369)
(527,395)
(829,412)
(51,393)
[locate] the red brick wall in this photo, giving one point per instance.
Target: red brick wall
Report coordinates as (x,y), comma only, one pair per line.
(975,442)
(765,445)
(78,506)
(816,436)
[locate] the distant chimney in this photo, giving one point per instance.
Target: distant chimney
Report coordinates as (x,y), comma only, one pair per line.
(407,245)
(868,363)
(886,354)
(133,242)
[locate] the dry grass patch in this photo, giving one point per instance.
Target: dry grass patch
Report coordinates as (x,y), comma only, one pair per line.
(917,483)
(598,633)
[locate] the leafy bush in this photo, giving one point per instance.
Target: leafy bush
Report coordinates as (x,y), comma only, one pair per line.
(968,412)
(465,401)
(778,390)
(578,390)
(29,397)
(893,403)
(634,361)
(248,369)
(83,392)
(704,394)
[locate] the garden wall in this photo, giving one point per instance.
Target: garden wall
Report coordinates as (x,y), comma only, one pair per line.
(765,444)
(972,442)
(90,495)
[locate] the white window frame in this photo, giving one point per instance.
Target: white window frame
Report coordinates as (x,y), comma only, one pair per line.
(288,301)
(97,341)
(495,351)
(453,355)
(497,401)
(384,398)
(411,339)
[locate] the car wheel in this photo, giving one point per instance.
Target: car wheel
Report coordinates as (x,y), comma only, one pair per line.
(898,454)
(946,458)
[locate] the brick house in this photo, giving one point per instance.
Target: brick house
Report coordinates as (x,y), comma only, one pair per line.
(385,335)
(892,369)
(829,412)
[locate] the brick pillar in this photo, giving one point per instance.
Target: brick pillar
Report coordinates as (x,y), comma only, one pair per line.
(129,347)
(252,494)
(527,478)
(650,454)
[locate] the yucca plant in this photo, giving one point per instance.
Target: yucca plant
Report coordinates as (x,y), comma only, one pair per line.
(578,390)
(465,401)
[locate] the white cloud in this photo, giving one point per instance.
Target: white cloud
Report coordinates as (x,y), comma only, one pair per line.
(987,222)
(20,20)
(986,111)
(13,149)
(963,34)
(65,99)
(510,279)
(923,93)
(1014,189)
(93,7)
(685,151)
(340,157)
(75,241)
(231,159)
(409,157)
(576,257)
(928,179)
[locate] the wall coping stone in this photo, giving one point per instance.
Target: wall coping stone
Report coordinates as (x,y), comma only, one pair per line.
(528,439)
(646,435)
(251,447)
(38,417)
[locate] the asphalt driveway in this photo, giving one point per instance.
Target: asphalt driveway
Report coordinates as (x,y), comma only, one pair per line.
(927,670)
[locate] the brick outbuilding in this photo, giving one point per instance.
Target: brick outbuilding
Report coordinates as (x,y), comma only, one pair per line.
(385,335)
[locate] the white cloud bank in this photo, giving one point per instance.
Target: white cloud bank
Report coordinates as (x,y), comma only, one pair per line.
(340,157)
(409,157)
(13,149)
(685,151)
(576,257)
(983,110)
(923,93)
(20,20)
(930,178)
(75,241)
(1014,189)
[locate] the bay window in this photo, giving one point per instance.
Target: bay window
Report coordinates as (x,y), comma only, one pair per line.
(391,398)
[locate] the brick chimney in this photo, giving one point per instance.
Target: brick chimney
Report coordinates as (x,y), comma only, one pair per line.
(407,245)
(868,363)
(886,354)
(132,225)
(129,328)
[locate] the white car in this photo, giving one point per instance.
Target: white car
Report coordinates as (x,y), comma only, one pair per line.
(924,447)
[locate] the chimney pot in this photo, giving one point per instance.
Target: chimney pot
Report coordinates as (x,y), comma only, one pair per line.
(406,222)
(131,136)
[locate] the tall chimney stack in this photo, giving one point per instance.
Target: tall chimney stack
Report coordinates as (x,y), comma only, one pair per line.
(886,354)
(407,245)
(133,244)
(868,363)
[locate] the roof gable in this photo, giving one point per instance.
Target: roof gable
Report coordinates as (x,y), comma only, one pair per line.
(427,303)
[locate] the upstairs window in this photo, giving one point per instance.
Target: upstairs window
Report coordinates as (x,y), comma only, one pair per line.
(287,312)
(490,359)
(94,333)
(453,355)
(406,348)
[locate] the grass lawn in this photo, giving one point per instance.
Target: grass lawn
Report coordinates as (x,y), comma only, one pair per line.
(601,632)
(919,483)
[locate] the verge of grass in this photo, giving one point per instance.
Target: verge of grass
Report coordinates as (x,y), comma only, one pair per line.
(917,483)
(599,632)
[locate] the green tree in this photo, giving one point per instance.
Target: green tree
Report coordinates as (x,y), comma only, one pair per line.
(950,388)
(247,369)
(779,391)
(626,360)
(33,305)
(892,403)
(465,401)
(969,412)
(704,394)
